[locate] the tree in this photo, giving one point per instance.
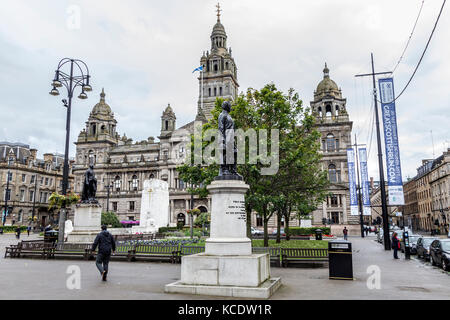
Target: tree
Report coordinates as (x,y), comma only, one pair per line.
(110,219)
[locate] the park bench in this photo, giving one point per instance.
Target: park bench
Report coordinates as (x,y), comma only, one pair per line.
(124,251)
(73,250)
(152,251)
(12,250)
(34,248)
(273,252)
(189,250)
(298,255)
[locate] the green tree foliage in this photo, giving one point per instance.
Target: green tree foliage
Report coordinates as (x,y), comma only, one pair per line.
(110,219)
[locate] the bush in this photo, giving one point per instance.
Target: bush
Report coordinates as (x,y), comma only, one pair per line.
(167,229)
(7,229)
(110,219)
(296,231)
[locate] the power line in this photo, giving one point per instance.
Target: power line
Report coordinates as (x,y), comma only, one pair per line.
(409,39)
(423,53)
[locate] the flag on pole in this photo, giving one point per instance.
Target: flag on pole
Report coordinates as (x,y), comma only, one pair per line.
(198,69)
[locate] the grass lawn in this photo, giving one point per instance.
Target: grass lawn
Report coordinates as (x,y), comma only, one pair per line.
(319,244)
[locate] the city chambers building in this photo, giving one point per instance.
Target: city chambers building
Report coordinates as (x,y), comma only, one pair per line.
(122,166)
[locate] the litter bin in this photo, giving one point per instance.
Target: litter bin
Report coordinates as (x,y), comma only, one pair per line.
(340,260)
(318,234)
(51,236)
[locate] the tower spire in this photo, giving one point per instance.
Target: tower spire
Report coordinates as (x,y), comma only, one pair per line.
(218,12)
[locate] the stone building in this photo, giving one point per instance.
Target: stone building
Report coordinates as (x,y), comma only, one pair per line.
(31,182)
(334,124)
(440,191)
(410,210)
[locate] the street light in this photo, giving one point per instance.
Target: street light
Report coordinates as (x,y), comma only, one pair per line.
(70,81)
(8,192)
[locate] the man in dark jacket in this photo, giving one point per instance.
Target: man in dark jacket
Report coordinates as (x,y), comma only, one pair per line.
(105,243)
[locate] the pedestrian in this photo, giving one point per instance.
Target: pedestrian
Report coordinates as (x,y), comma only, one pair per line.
(28,230)
(345,232)
(395,244)
(105,242)
(18,232)
(367,231)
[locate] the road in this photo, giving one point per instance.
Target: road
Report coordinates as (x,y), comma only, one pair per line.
(47,279)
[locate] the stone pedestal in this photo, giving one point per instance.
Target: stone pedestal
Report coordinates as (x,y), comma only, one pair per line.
(87,222)
(227,267)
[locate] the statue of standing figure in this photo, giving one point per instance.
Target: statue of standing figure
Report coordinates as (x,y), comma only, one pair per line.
(227,169)
(89,186)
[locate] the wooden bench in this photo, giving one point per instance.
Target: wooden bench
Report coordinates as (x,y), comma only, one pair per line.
(297,255)
(124,251)
(73,250)
(273,252)
(152,251)
(35,248)
(189,250)
(12,250)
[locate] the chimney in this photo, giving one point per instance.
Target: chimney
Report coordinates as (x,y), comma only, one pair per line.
(33,153)
(48,157)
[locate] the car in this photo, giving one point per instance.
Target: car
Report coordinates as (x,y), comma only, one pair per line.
(257,231)
(412,244)
(274,232)
(440,253)
(423,247)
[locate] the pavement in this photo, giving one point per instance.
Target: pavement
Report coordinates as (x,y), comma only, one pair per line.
(53,279)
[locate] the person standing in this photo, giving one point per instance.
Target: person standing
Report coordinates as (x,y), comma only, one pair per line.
(395,244)
(28,230)
(367,231)
(18,232)
(106,244)
(345,232)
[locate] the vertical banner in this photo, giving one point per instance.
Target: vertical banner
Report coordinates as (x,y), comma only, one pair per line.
(393,167)
(352,182)
(364,181)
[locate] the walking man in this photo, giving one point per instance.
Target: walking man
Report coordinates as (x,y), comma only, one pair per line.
(105,243)
(345,232)
(18,232)
(28,230)
(395,244)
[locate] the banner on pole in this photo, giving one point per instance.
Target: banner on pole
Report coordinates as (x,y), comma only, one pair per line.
(352,182)
(393,166)
(364,181)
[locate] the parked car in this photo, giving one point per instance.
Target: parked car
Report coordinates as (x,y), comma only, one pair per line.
(412,244)
(423,247)
(274,232)
(440,253)
(257,231)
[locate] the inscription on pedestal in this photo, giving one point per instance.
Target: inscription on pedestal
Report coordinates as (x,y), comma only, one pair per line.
(237,208)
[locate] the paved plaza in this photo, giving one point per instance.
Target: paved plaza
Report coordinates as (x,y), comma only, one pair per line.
(46,279)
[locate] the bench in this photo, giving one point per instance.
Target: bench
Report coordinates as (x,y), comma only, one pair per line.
(152,251)
(124,251)
(189,250)
(73,250)
(34,248)
(297,255)
(273,252)
(12,250)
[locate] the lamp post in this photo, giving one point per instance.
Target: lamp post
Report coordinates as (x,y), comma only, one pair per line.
(7,193)
(70,81)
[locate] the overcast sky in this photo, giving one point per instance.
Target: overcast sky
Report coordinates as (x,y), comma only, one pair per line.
(143,54)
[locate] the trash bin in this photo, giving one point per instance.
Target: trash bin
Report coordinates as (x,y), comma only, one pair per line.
(51,236)
(318,234)
(340,260)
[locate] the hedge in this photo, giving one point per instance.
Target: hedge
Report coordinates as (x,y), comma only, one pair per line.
(13,228)
(296,231)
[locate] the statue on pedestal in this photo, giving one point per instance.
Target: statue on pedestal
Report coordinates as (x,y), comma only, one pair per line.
(227,169)
(89,186)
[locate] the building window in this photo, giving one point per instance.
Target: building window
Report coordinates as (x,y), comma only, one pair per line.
(209,92)
(334,201)
(331,143)
(22,195)
(215,92)
(131,205)
(10,176)
(46,181)
(181,182)
(117,183)
(32,179)
(8,194)
(259,221)
(31,195)
(24,177)
(332,173)
(114,206)
(335,217)
(134,183)
(131,218)
(19,216)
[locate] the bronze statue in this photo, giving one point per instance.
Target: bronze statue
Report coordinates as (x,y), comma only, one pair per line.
(227,169)
(89,186)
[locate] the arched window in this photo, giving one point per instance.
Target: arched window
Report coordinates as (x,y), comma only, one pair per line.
(166,125)
(332,173)
(220,91)
(337,110)
(331,143)
(209,92)
(134,183)
(117,183)
(215,92)
(320,111)
(226,65)
(152,176)
(91,157)
(328,110)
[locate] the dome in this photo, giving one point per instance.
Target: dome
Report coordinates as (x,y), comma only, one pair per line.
(102,107)
(218,30)
(327,86)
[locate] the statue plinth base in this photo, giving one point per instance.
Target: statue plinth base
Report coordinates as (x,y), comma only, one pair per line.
(87,222)
(227,267)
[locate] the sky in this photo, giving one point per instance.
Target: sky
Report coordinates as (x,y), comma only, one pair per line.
(143,52)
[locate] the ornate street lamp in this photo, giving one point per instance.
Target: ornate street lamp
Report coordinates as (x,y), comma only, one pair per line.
(69,80)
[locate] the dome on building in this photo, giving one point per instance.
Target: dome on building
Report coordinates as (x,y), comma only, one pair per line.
(218,30)
(327,86)
(102,108)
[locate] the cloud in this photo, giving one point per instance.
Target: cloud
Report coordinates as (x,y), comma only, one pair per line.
(143,54)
